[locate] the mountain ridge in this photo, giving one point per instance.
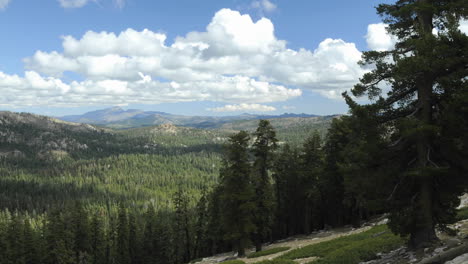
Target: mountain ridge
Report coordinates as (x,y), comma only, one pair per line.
(117,117)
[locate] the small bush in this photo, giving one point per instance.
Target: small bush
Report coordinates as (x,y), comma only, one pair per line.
(234,261)
(462,214)
(276,261)
(267,252)
(362,251)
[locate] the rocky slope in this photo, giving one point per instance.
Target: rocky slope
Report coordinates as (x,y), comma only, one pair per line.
(24,135)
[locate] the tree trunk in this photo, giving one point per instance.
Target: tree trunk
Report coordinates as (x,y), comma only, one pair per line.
(423,233)
(240,250)
(307,218)
(258,245)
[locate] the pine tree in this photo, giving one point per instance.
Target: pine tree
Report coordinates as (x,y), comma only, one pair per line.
(164,243)
(59,239)
(3,238)
(311,166)
(80,226)
(150,249)
(15,237)
(263,149)
(288,189)
(237,193)
(201,227)
(97,239)
(123,248)
(134,239)
(216,241)
(182,227)
(367,182)
(426,72)
(331,183)
(32,245)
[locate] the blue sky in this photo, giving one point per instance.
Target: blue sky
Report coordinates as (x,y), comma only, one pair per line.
(210,57)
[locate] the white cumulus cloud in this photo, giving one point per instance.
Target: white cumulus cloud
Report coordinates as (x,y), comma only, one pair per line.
(4,4)
(464,26)
(235,60)
(378,38)
(243,107)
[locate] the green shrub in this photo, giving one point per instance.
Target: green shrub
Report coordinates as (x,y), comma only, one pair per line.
(350,249)
(361,251)
(276,261)
(234,261)
(267,252)
(462,214)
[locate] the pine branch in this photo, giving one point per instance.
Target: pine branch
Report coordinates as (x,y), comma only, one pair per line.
(395,98)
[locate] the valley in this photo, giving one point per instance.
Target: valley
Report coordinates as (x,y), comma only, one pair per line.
(47,161)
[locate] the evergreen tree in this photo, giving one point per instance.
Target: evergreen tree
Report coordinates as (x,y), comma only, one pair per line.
(215,235)
(182,227)
(331,183)
(134,239)
(15,237)
(360,158)
(80,226)
(59,239)
(237,193)
(97,239)
(32,244)
(263,149)
(150,249)
(288,189)
(201,227)
(123,248)
(3,239)
(164,243)
(426,73)
(311,166)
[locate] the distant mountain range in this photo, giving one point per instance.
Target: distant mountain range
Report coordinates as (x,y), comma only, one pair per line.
(116,117)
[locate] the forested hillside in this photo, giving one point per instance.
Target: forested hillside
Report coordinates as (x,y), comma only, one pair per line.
(47,162)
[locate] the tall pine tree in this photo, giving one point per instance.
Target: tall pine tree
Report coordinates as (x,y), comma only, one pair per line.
(263,149)
(97,239)
(123,247)
(311,164)
(426,73)
(237,193)
(288,192)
